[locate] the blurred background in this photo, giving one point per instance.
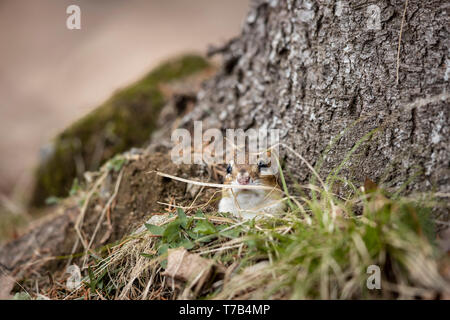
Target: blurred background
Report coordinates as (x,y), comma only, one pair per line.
(51,76)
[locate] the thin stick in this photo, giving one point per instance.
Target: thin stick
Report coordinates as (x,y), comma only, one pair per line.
(180,207)
(220,249)
(195,199)
(214,185)
(105,209)
(400,39)
(85,206)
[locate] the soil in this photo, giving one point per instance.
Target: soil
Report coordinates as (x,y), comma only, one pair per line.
(46,248)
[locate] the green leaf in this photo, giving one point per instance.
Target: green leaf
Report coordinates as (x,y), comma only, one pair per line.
(199,213)
(193,235)
(116,163)
(251,243)
(232,233)
(155,230)
(187,244)
(182,217)
(161,251)
(92,281)
(50,201)
(21,296)
(172,231)
(206,239)
(204,227)
(75,187)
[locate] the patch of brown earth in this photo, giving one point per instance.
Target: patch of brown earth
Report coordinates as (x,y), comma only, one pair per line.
(43,254)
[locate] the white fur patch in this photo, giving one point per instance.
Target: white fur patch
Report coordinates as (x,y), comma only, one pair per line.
(250,203)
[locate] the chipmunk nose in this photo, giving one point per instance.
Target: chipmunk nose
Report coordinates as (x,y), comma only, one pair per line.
(243,178)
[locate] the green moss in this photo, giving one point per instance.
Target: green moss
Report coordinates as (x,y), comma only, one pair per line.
(125,120)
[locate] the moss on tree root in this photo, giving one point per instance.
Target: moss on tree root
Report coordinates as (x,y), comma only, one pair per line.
(125,120)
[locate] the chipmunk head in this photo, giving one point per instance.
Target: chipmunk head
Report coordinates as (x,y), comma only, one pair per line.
(248,174)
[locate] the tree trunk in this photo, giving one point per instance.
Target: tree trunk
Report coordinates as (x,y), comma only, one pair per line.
(328,73)
(333,78)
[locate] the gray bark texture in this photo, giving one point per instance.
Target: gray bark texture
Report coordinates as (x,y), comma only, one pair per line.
(316,68)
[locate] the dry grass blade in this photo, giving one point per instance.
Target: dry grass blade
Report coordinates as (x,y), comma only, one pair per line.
(214,185)
(80,218)
(102,215)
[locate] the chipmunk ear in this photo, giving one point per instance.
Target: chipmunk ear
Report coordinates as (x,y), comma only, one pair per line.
(262,164)
(272,163)
(267,165)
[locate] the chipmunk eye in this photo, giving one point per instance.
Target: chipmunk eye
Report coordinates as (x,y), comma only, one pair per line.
(229,169)
(262,164)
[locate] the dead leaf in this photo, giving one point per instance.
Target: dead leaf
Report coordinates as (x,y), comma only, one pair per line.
(370,186)
(6,285)
(375,197)
(188,267)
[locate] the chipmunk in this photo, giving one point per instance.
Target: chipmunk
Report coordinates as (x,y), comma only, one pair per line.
(250,203)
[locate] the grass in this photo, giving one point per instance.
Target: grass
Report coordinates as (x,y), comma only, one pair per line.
(319,248)
(322,247)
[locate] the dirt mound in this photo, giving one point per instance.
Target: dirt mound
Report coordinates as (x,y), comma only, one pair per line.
(124,194)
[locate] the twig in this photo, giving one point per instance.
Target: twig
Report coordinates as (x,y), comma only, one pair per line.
(177,206)
(105,209)
(84,209)
(213,185)
(220,249)
(195,199)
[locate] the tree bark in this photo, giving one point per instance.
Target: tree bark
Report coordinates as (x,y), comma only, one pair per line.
(325,73)
(333,79)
